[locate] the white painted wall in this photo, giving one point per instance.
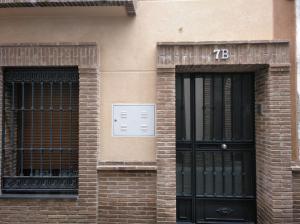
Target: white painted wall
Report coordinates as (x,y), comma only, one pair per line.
(128,47)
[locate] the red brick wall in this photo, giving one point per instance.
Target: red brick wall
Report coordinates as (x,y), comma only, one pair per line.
(127,197)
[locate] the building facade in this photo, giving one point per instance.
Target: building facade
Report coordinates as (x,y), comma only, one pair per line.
(149,111)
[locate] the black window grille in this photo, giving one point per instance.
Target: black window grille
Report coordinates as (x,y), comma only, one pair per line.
(40,130)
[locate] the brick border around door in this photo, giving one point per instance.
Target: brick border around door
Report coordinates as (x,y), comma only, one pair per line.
(269,61)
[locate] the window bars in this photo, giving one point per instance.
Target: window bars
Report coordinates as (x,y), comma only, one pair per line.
(40,130)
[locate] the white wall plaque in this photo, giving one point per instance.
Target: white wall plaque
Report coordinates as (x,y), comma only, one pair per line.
(132,120)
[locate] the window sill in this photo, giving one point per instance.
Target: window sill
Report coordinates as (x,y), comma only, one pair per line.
(127,166)
(295,167)
(40,196)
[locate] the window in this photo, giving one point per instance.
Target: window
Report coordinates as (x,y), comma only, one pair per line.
(40,130)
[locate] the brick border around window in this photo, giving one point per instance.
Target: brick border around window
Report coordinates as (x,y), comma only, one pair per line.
(85,57)
(269,61)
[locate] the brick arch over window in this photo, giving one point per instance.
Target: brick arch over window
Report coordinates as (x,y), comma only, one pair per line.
(82,208)
(269,61)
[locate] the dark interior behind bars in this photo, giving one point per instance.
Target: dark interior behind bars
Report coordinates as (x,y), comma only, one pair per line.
(40,130)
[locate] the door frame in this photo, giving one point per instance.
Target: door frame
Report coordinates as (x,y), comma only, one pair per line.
(270,63)
(205,145)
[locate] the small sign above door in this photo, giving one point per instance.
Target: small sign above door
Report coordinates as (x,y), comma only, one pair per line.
(221,54)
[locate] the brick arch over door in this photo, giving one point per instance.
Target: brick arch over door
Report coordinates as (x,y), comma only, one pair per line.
(269,61)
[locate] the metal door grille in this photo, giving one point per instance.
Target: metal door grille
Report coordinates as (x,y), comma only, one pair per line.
(40,130)
(215,148)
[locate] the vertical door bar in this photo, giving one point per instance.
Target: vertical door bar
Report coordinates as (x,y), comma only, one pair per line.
(193,136)
(222,107)
(223,131)
(243,174)
(32,127)
(232,174)
(12,131)
(223,172)
(22,132)
(203,107)
(42,128)
(213,173)
(3,129)
(232,107)
(71,131)
(60,129)
(204,174)
(51,128)
(212,117)
(242,123)
(182,173)
(241,107)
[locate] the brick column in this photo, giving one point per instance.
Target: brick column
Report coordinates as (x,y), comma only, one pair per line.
(1,114)
(166,146)
(273,146)
(89,124)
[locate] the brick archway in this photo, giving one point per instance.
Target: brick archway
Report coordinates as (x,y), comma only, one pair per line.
(270,63)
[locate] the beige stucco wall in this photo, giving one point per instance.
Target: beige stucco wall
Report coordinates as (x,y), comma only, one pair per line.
(128,46)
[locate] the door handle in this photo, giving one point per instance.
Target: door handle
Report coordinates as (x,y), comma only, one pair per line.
(224,146)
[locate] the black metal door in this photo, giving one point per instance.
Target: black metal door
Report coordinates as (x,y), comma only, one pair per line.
(215,146)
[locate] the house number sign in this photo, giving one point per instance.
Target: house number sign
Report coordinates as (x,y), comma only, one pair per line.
(222,54)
